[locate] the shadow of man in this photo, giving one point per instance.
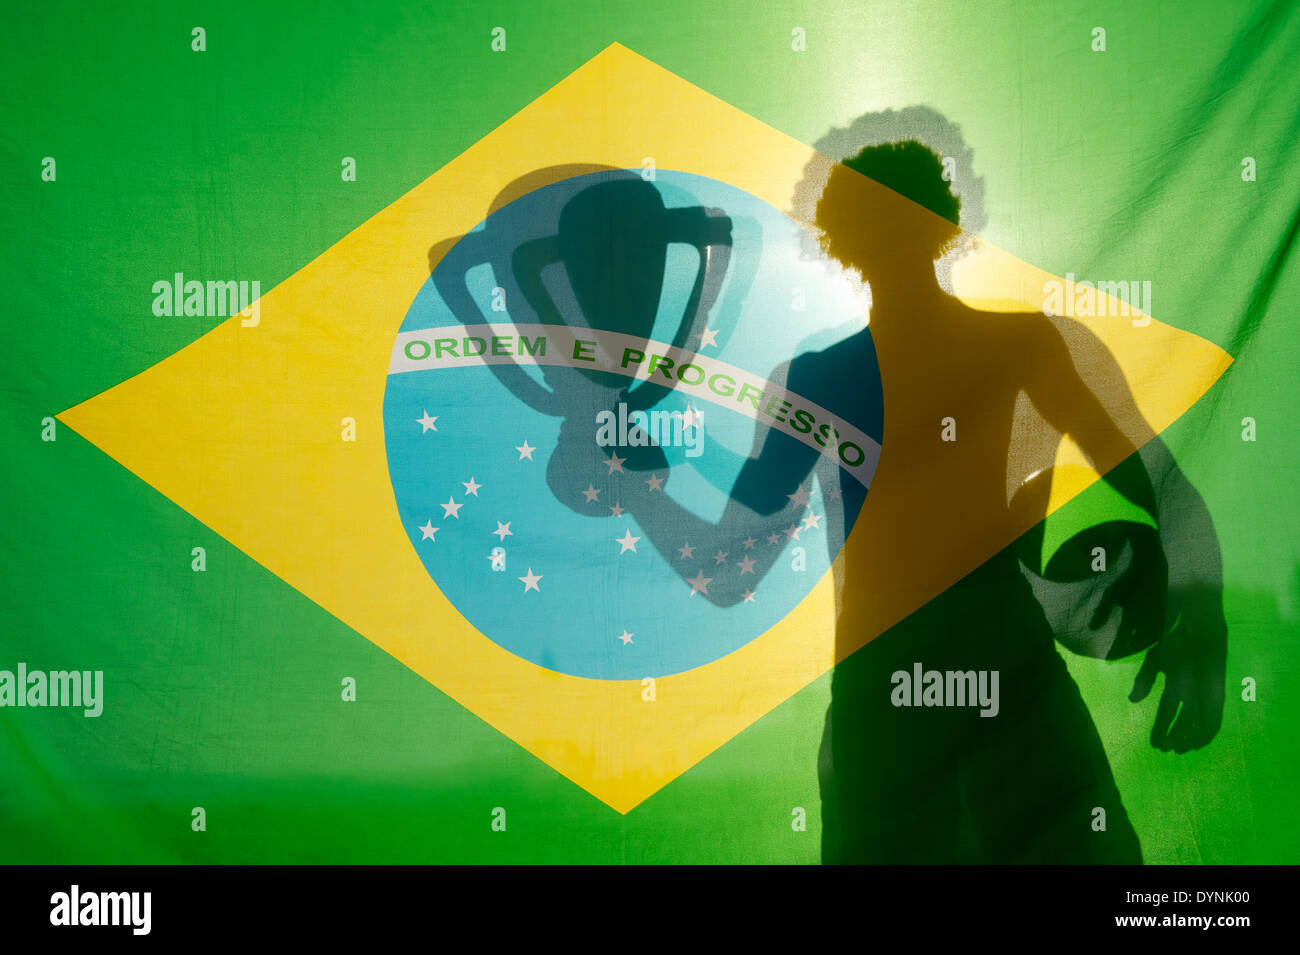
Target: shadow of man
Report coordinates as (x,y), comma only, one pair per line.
(906,775)
(1015,771)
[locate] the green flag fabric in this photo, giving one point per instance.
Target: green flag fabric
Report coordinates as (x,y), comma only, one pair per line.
(929,365)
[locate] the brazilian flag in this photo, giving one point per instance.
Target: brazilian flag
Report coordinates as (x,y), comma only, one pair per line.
(590,433)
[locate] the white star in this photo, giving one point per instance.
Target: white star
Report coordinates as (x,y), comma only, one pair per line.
(812,520)
(530,581)
(428,530)
(471,487)
(792,532)
(749,596)
(834,495)
(498,560)
(691,417)
(656,482)
(616,510)
(626,637)
(800,497)
(615,463)
(686,550)
(525,451)
(591,493)
(451,508)
(720,557)
(748,542)
(700,584)
(427,423)
(628,541)
(774,538)
(746,565)
(503,530)
(710,337)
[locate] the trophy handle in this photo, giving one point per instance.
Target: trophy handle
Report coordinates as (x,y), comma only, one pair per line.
(748,234)
(527,263)
(450,278)
(709,230)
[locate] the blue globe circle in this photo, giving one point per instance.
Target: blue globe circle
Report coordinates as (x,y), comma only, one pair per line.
(569,545)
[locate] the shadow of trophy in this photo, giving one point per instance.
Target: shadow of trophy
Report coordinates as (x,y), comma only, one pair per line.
(588,247)
(1073,556)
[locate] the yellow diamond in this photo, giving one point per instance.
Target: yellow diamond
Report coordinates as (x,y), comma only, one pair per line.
(241,429)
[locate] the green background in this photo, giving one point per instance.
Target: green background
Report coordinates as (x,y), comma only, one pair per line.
(223,688)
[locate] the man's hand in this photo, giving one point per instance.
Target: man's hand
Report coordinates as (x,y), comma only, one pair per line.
(1193,658)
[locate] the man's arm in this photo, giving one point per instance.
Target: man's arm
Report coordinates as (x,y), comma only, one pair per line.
(776,466)
(1071,408)
(1193,653)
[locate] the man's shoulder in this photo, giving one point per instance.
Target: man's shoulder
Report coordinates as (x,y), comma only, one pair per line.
(847,351)
(1025,320)
(1036,329)
(844,378)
